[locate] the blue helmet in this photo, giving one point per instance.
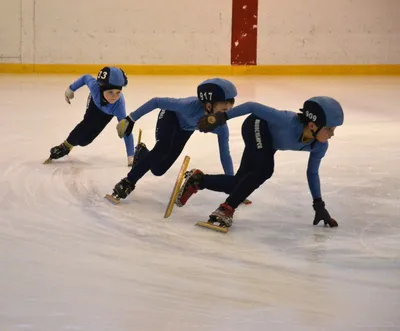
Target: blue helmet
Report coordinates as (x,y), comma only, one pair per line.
(110,78)
(216,89)
(323,111)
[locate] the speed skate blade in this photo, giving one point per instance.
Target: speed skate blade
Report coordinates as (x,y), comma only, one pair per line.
(211,226)
(177,187)
(112,199)
(140,136)
(48,161)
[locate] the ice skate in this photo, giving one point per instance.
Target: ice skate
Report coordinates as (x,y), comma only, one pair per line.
(189,187)
(113,198)
(223,215)
(140,152)
(121,190)
(177,186)
(59,151)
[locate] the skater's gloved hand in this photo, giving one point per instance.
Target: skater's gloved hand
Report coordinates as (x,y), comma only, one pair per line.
(130,161)
(210,122)
(69,94)
(321,214)
(125,127)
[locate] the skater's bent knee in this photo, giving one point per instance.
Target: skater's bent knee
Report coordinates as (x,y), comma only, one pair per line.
(158,171)
(262,176)
(268,175)
(163,148)
(85,142)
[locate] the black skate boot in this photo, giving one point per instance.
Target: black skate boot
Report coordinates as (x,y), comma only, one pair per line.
(191,185)
(123,189)
(223,215)
(140,152)
(60,150)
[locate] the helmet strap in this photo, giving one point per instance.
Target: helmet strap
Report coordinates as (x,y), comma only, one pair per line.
(211,111)
(315,133)
(103,100)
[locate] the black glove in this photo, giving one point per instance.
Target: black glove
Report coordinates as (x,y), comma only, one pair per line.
(125,127)
(322,214)
(210,122)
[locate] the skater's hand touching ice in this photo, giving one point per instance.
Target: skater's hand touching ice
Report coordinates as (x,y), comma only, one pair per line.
(210,122)
(125,127)
(321,214)
(69,94)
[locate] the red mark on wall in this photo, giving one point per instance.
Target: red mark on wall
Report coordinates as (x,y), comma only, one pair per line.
(244,32)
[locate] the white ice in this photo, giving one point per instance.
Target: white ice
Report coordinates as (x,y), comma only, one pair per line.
(70,260)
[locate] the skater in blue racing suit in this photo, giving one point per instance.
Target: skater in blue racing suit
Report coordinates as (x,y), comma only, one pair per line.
(176,122)
(264,132)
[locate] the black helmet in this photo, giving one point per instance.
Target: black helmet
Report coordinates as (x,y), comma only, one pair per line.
(110,78)
(216,89)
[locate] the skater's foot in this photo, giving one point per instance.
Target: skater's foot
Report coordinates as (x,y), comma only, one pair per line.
(223,215)
(191,185)
(123,188)
(60,150)
(140,152)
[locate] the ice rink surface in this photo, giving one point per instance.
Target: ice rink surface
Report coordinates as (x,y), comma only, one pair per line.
(70,260)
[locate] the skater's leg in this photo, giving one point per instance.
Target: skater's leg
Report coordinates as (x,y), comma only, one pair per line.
(90,127)
(226,183)
(179,141)
(94,121)
(260,157)
(196,180)
(167,127)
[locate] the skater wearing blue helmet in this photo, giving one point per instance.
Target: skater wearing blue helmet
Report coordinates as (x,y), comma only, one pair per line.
(105,101)
(264,132)
(177,120)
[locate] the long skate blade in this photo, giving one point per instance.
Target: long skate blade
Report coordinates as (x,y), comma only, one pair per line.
(140,136)
(112,199)
(211,226)
(177,187)
(48,161)
(247,202)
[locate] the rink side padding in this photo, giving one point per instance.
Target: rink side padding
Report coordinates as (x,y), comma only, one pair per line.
(223,70)
(244,32)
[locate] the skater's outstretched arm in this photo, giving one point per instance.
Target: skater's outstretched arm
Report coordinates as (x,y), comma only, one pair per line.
(120,113)
(271,115)
(314,161)
(185,105)
(83,80)
(224,152)
(172,104)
